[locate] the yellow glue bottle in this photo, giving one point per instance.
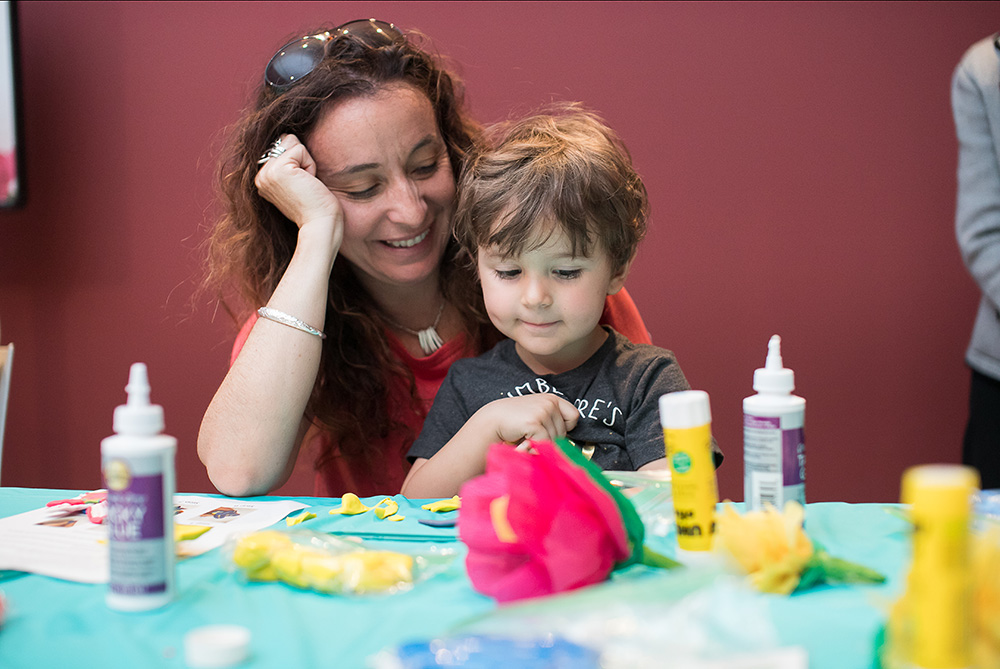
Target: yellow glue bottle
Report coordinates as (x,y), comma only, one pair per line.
(937,613)
(687,434)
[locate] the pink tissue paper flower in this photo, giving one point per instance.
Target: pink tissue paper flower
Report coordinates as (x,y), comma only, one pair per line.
(538,523)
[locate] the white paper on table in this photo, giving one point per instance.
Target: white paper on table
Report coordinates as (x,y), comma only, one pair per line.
(67,547)
(74,549)
(226,517)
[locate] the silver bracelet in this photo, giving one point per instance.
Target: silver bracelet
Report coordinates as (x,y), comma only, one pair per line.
(291,321)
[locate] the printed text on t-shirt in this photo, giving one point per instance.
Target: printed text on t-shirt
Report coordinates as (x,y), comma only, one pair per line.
(597,410)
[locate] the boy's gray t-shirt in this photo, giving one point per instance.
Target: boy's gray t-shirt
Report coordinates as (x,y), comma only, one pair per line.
(616,391)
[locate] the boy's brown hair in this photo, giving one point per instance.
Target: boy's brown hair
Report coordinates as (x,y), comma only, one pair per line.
(563,166)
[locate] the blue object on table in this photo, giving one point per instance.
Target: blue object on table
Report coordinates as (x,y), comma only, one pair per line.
(486,652)
(438,522)
(987,503)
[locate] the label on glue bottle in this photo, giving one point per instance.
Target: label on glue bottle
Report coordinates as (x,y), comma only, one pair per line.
(686,419)
(136,525)
(774,460)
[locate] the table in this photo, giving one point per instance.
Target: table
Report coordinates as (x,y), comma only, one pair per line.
(55,623)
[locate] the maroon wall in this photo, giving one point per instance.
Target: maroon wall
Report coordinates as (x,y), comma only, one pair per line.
(800,160)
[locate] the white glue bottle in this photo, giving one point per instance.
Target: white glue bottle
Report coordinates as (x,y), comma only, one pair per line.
(774,451)
(138,466)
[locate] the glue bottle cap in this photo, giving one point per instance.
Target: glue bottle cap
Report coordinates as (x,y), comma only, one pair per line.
(685,409)
(774,377)
(137,415)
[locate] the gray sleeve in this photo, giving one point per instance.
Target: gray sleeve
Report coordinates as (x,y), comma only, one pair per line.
(643,434)
(446,417)
(975,98)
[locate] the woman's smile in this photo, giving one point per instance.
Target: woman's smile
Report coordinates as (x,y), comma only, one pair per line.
(407,243)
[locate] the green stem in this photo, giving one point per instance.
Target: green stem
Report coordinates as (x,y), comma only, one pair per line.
(651,558)
(837,570)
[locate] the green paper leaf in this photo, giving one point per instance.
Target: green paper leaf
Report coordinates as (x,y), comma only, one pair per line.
(825,568)
(811,576)
(838,570)
(634,528)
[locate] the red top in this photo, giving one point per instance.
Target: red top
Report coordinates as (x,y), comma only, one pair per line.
(336,479)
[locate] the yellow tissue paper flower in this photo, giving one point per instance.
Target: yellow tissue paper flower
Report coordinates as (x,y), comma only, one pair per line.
(443,505)
(350,505)
(387,507)
(773,548)
(301,518)
(770,546)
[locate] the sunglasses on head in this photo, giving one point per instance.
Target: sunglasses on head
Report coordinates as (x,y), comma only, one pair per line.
(297,59)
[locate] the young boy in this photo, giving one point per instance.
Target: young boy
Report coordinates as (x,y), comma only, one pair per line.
(552,211)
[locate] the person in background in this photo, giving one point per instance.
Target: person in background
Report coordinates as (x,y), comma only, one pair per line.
(975,99)
(551,212)
(339,184)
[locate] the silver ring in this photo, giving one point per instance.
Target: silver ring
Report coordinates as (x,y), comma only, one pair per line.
(274,151)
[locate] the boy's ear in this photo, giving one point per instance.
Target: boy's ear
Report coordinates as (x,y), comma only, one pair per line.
(618,280)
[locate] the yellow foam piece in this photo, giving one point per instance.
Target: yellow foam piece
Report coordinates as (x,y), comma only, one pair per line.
(188,532)
(386,508)
(443,505)
(350,505)
(301,518)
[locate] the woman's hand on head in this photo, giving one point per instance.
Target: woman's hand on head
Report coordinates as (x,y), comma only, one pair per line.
(289,182)
(537,417)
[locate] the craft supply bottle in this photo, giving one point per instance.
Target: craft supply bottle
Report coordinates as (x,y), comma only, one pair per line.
(938,599)
(774,447)
(138,466)
(686,419)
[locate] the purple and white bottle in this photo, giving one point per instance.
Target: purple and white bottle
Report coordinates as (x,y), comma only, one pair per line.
(138,467)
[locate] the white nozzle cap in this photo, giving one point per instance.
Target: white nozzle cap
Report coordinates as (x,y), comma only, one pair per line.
(684,409)
(774,377)
(137,415)
(217,646)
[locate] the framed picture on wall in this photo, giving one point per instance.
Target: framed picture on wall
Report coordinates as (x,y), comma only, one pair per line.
(11,149)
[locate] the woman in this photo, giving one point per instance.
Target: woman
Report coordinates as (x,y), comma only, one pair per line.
(340,188)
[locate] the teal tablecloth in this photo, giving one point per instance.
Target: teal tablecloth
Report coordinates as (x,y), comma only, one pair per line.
(54,623)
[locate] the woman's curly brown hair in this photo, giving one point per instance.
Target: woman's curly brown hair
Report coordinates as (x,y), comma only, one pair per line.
(250,247)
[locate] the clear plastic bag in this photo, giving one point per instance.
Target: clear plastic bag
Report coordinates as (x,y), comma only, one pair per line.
(651,494)
(334,565)
(696,618)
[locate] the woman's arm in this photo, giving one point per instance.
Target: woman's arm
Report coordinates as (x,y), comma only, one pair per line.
(253,428)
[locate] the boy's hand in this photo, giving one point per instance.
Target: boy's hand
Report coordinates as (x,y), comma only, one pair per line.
(513,420)
(539,417)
